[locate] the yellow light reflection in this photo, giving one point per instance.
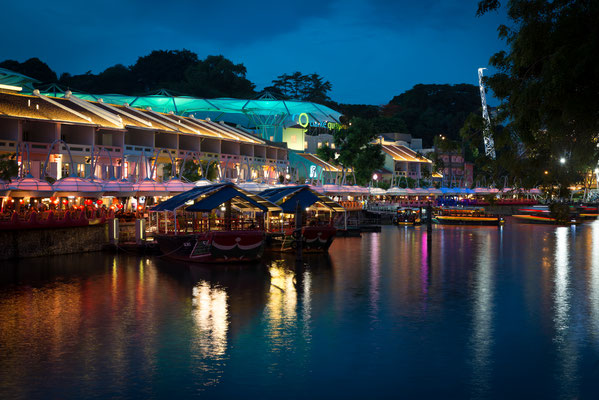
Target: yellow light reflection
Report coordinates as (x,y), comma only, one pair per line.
(210,313)
(281,308)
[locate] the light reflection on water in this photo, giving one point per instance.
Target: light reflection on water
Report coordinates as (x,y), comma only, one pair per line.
(459,309)
(482,324)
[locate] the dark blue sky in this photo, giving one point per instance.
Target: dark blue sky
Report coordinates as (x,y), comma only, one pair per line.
(369,50)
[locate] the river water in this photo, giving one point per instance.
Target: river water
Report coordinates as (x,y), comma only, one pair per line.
(462,312)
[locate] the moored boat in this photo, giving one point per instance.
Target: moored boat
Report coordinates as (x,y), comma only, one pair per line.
(214,247)
(315,230)
(543,215)
(466,216)
(212,224)
(407,216)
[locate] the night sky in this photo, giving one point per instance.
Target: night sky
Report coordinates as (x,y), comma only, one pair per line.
(369,50)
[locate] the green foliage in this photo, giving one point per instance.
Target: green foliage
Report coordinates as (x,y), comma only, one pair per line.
(33,68)
(8,167)
(430,110)
(548,82)
(407,182)
(326,153)
(356,151)
(217,76)
(161,68)
(180,71)
(298,86)
(193,170)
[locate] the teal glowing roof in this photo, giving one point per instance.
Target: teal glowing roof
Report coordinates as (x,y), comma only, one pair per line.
(8,77)
(248,113)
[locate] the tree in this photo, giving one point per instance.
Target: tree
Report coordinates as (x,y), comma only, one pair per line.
(193,170)
(355,150)
(163,68)
(298,86)
(8,167)
(548,82)
(217,76)
(115,79)
(429,110)
(33,68)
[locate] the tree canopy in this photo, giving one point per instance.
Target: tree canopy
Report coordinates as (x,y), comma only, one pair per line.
(430,110)
(298,86)
(180,71)
(33,68)
(354,149)
(548,84)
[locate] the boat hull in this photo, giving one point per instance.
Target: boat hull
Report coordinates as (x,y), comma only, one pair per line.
(315,239)
(534,219)
(214,247)
(486,221)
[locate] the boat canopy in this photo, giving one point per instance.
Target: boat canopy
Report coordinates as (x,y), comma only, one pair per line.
(287,198)
(210,197)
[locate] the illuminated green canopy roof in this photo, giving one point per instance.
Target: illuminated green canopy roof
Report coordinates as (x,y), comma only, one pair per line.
(249,113)
(8,77)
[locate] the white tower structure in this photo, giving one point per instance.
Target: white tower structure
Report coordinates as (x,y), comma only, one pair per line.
(488,139)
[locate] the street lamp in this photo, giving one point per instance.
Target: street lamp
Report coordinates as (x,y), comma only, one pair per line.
(562,160)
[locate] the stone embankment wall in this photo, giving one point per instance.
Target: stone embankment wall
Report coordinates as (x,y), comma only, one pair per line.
(26,243)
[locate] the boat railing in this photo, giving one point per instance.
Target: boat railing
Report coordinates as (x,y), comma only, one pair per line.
(185,225)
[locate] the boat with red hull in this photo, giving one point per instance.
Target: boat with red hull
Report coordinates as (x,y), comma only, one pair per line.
(307,220)
(213,224)
(214,247)
(315,239)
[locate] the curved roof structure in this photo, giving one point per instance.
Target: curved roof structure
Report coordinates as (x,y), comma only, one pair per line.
(11,78)
(265,110)
(287,198)
(208,198)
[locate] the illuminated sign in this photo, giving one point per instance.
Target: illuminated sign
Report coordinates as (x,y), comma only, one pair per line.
(313,171)
(304,121)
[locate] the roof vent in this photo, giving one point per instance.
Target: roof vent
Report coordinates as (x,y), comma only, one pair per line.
(100,100)
(126,104)
(149,108)
(208,119)
(171,112)
(68,94)
(36,92)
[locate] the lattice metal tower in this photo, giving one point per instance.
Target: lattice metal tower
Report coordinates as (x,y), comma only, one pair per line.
(488,139)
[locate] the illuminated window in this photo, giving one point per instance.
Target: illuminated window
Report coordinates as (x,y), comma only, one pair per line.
(319,145)
(305,145)
(332,145)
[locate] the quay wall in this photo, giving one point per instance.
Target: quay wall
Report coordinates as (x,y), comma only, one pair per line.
(25,243)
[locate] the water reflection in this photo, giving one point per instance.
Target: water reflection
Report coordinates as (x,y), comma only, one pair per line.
(453,311)
(566,348)
(594,283)
(482,336)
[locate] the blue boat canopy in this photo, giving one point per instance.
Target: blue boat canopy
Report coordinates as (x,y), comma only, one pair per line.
(288,197)
(208,198)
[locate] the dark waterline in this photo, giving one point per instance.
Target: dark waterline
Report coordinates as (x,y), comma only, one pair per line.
(474,312)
